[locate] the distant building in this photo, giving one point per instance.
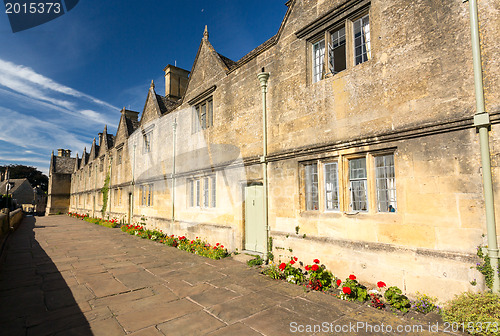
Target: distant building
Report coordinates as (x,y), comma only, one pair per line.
(373,160)
(60,170)
(20,189)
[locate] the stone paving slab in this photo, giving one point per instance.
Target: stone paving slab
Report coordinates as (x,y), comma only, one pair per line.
(63,276)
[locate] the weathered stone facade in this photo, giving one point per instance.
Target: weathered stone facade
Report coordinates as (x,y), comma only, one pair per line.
(410,103)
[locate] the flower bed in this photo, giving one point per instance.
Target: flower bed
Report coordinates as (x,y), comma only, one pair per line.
(110,223)
(196,246)
(316,277)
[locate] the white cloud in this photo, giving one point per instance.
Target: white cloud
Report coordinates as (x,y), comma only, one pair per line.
(23,80)
(30,132)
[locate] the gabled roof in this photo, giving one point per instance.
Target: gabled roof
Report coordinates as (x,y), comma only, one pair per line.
(223,63)
(94,151)
(107,141)
(165,104)
(127,125)
(155,105)
(62,164)
(14,185)
(228,62)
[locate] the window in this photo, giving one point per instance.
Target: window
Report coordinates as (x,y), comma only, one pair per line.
(202,192)
(101,165)
(214,192)
(361,40)
(203,115)
(385,183)
(363,183)
(344,44)
(147,141)
(331,186)
(318,60)
(311,186)
(119,156)
(118,196)
(206,191)
(337,51)
(146,194)
(358,184)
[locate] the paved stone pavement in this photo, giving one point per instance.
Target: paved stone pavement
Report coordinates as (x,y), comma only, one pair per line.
(63,276)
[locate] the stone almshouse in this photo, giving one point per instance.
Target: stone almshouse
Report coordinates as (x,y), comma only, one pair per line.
(373,161)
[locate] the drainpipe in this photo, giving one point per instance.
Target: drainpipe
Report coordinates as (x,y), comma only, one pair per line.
(482,123)
(174,132)
(133,186)
(263,78)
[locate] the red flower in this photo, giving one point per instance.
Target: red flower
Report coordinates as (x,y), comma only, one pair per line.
(295,258)
(217,244)
(314,268)
(222,246)
(381,284)
(316,261)
(292,262)
(338,282)
(282,266)
(307,268)
(352,277)
(346,290)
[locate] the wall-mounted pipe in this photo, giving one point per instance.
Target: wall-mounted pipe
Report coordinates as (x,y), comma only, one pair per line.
(174,133)
(482,122)
(263,78)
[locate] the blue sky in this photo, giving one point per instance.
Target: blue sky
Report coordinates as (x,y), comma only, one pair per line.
(61,82)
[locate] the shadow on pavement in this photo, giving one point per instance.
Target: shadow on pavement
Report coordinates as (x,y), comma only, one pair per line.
(35,299)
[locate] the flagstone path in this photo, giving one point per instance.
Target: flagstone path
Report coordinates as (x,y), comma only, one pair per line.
(64,276)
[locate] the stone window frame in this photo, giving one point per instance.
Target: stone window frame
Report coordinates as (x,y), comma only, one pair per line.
(202,192)
(119,155)
(203,115)
(343,16)
(147,142)
(146,192)
(373,187)
(204,99)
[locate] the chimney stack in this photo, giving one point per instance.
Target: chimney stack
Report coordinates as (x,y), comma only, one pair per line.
(176,80)
(132,115)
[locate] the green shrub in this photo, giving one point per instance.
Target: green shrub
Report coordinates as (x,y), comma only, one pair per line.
(255,262)
(396,299)
(472,312)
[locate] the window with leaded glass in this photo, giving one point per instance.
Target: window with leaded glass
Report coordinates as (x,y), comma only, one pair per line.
(311,186)
(358,184)
(318,60)
(331,186)
(362,50)
(385,183)
(337,51)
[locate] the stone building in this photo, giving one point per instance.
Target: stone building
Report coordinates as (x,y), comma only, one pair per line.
(373,162)
(60,172)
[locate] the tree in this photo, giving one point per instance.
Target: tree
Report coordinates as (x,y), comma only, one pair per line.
(34,176)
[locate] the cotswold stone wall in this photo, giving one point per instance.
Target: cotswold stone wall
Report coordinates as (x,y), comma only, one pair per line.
(413,99)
